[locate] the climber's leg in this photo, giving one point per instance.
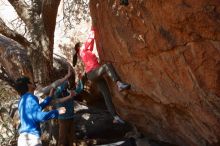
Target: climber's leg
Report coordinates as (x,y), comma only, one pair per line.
(109,69)
(103,88)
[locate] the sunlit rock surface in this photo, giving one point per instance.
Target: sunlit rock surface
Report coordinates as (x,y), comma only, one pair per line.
(14,59)
(170,53)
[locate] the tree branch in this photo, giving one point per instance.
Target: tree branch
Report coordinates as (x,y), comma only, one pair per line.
(6,31)
(49,15)
(22,9)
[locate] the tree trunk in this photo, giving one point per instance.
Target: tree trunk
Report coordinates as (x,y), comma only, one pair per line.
(43,37)
(40,20)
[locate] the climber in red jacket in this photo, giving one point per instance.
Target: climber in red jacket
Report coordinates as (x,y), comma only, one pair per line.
(95,72)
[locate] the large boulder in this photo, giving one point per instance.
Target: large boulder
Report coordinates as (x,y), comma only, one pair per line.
(14,60)
(170,53)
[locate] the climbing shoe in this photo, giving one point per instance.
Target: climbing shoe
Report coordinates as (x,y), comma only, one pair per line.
(124,2)
(118,120)
(122,86)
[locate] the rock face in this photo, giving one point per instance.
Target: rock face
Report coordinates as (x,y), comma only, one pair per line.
(14,59)
(170,53)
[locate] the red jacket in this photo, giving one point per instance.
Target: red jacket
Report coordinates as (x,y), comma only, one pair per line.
(89,59)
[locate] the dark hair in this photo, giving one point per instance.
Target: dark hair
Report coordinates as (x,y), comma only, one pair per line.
(71,81)
(21,85)
(77,46)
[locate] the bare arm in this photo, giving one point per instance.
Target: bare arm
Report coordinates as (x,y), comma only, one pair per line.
(64,99)
(56,83)
(89,44)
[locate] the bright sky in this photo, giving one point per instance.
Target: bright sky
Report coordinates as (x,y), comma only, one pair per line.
(7,13)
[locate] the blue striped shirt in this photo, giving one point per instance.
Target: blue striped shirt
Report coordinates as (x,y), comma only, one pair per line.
(69,105)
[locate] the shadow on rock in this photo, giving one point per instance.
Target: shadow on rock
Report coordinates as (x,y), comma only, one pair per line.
(93,123)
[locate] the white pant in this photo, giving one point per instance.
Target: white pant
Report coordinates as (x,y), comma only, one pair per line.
(26,139)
